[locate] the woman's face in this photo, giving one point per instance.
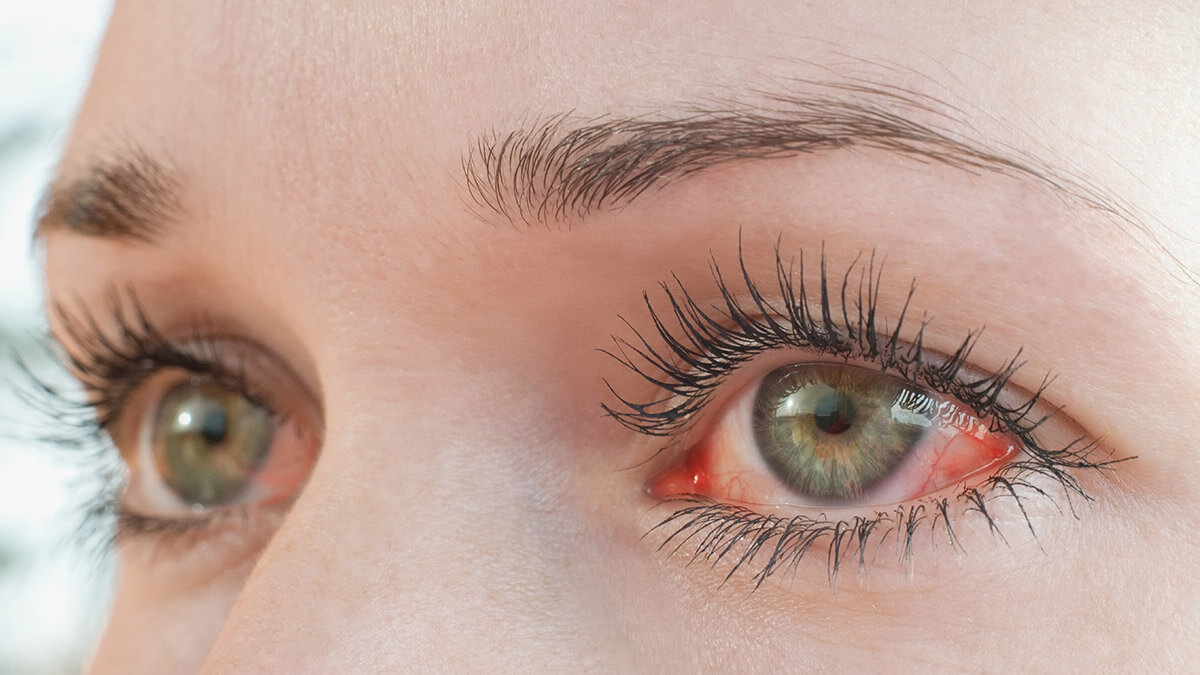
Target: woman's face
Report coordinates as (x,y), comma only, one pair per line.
(359,290)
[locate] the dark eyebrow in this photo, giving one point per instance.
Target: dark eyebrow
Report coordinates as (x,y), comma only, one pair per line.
(565,167)
(568,167)
(128,195)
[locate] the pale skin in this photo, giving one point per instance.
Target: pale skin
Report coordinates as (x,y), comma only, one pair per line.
(471,507)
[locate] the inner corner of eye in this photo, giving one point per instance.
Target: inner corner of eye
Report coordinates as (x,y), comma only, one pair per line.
(820,434)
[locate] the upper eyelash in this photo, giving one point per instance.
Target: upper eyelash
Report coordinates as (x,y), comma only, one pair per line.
(703,346)
(717,341)
(110,365)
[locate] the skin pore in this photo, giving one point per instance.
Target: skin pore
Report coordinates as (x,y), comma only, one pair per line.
(324,189)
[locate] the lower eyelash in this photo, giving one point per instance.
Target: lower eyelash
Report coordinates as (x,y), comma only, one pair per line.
(704,345)
(721,530)
(773,544)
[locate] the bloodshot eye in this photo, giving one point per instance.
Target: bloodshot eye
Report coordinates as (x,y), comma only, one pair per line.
(827,434)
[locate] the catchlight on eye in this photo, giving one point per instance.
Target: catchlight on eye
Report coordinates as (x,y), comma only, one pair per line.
(209,442)
(836,434)
(199,444)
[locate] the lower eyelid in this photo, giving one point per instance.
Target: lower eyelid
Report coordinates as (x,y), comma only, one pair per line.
(176,556)
(760,541)
(1016,502)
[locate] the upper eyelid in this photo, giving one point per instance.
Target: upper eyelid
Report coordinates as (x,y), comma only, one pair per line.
(113,353)
(991,394)
(697,352)
(110,367)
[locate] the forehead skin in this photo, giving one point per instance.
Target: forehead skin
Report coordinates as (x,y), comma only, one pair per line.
(467,511)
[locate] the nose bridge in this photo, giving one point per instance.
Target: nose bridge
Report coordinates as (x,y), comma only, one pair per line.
(418,540)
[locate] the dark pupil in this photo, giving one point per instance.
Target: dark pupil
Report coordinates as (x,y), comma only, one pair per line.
(210,441)
(215,427)
(834,413)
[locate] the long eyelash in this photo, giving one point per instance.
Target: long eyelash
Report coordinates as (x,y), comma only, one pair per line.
(705,344)
(109,364)
(717,529)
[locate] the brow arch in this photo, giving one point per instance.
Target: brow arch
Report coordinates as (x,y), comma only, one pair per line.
(567,166)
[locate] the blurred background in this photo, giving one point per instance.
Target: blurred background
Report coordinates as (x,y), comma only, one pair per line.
(53,592)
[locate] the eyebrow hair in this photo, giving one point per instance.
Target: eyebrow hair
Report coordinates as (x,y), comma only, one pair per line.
(128,195)
(566,167)
(563,167)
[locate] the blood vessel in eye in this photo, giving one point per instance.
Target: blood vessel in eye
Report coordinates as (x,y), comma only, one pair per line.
(714,468)
(965,455)
(709,470)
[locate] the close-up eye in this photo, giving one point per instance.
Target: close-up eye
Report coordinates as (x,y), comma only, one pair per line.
(798,413)
(215,434)
(197,445)
(833,434)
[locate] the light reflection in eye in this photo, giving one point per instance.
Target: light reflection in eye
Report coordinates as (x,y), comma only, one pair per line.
(209,442)
(195,445)
(824,434)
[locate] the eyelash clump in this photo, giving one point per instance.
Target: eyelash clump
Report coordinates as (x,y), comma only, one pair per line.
(705,344)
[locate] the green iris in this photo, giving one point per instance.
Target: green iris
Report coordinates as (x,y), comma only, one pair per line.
(209,441)
(831,432)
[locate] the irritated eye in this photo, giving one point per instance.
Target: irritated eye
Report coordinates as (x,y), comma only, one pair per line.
(836,434)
